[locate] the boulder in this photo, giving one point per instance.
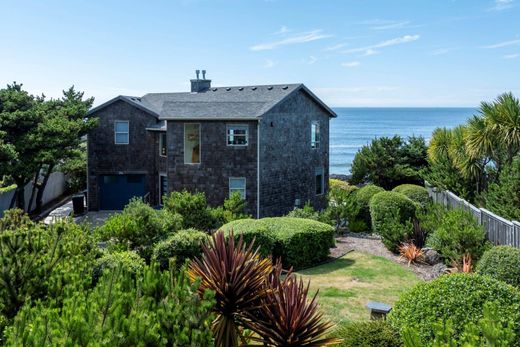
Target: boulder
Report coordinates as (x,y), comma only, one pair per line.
(431,256)
(438,270)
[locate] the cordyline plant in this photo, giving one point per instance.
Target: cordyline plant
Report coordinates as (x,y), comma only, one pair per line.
(254,303)
(410,252)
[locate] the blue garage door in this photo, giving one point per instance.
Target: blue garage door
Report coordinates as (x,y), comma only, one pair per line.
(116,190)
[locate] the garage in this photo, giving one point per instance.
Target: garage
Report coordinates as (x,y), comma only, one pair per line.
(116,190)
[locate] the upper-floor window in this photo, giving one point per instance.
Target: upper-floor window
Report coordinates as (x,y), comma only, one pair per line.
(191,143)
(237,135)
(320,181)
(162,144)
(237,184)
(315,135)
(121,130)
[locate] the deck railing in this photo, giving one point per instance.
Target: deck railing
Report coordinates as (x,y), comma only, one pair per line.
(499,230)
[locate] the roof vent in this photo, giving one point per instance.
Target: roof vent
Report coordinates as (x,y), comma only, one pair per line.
(215,89)
(285,87)
(241,88)
(200,85)
(254,88)
(270,88)
(228,89)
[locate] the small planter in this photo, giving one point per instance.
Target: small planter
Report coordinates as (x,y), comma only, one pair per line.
(78,204)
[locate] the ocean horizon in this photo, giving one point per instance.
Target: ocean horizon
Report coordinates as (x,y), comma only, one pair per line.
(357,126)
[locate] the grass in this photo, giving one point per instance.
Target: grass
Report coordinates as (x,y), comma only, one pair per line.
(347,284)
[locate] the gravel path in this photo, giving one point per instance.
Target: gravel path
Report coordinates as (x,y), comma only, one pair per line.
(372,244)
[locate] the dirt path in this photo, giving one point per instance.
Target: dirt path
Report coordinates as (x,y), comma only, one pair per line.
(372,244)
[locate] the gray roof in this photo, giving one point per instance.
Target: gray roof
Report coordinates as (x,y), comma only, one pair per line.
(240,102)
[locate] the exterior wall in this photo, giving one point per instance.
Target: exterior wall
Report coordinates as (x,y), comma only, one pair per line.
(140,156)
(218,162)
(287,161)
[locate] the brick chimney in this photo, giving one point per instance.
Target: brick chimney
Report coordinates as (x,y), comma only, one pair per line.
(200,85)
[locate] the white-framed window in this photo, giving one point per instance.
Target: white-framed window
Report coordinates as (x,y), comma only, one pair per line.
(162,144)
(191,143)
(237,135)
(237,184)
(315,135)
(121,132)
(320,181)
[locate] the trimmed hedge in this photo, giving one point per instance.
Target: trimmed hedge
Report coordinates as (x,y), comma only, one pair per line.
(457,297)
(391,213)
(129,261)
(501,263)
(415,193)
(363,196)
(367,334)
(298,242)
(184,244)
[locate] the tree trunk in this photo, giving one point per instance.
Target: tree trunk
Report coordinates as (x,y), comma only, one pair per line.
(34,187)
(41,189)
(20,195)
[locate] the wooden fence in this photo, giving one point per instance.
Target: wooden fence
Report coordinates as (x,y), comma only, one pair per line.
(500,231)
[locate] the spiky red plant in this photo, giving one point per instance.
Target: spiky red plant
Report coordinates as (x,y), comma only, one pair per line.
(410,252)
(237,275)
(287,317)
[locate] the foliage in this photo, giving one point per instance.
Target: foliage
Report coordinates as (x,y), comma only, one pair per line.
(193,208)
(137,228)
(458,297)
(336,183)
(391,217)
(410,252)
(415,193)
(129,261)
(75,167)
(363,196)
(307,212)
(503,197)
(153,308)
(38,261)
(286,316)
(501,263)
(343,205)
(368,334)
(458,234)
(183,245)
(7,188)
(237,276)
(297,242)
(390,161)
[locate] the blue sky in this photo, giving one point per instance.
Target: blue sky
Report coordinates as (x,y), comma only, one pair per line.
(350,52)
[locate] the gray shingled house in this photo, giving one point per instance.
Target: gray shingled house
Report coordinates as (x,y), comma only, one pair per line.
(270,143)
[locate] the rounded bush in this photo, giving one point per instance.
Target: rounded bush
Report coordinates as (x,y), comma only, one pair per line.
(391,214)
(369,333)
(457,297)
(127,260)
(415,193)
(501,263)
(335,183)
(183,245)
(298,242)
(363,197)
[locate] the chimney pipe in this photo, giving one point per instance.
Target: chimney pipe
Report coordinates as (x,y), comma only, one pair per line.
(203,74)
(200,85)
(197,72)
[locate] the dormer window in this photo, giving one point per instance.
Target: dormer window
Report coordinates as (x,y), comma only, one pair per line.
(121,132)
(237,135)
(315,135)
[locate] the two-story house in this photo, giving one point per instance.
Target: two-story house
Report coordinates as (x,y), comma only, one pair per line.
(270,143)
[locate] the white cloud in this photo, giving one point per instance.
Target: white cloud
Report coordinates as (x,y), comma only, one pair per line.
(269,63)
(387,43)
(335,47)
(441,51)
(351,64)
(392,25)
(511,56)
(283,30)
(291,40)
(312,60)
(504,44)
(370,52)
(500,5)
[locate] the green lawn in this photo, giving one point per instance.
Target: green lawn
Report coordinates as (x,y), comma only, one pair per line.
(347,284)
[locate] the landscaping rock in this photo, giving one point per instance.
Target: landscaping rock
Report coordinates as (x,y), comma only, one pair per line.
(431,256)
(438,270)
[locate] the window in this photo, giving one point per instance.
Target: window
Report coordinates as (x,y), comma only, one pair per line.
(162,144)
(192,143)
(237,135)
(121,132)
(163,187)
(320,183)
(315,135)
(237,184)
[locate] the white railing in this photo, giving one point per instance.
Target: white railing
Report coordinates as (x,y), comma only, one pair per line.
(499,230)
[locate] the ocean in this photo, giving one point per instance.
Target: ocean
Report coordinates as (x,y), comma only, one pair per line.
(356,127)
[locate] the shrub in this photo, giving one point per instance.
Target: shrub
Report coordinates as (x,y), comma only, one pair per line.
(307,212)
(391,217)
(457,297)
(137,228)
(415,193)
(342,205)
(457,235)
(335,183)
(130,262)
(193,208)
(367,334)
(503,197)
(298,242)
(363,196)
(183,245)
(501,263)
